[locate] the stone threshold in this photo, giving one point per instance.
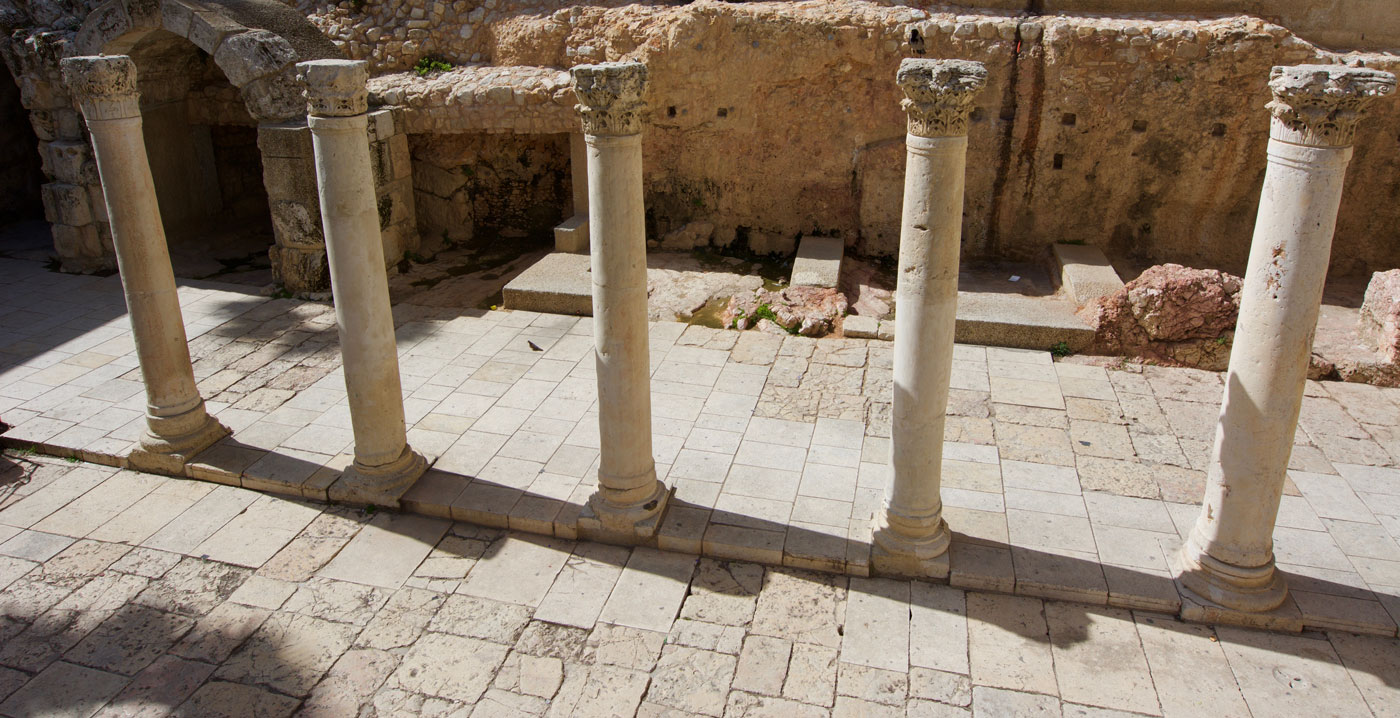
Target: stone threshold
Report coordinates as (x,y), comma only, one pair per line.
(974,564)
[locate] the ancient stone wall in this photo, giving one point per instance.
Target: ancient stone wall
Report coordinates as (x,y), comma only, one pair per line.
(1335,24)
(1143,135)
(509,185)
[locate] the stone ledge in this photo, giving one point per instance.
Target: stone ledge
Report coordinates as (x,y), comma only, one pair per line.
(1085,272)
(818,262)
(559,284)
(481,98)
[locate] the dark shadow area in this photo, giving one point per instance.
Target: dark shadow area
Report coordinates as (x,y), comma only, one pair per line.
(202,147)
(164,647)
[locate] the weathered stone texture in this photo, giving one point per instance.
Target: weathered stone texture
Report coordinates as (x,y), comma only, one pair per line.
(1150,122)
(1170,314)
(1380,314)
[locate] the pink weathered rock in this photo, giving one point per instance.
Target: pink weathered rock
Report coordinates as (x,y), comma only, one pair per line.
(1379,323)
(1170,314)
(809,311)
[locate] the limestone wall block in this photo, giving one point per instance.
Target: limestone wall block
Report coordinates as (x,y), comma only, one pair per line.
(45,125)
(105,22)
(300,270)
(71,162)
(275,97)
(297,224)
(289,178)
(66,204)
(381,123)
(443,217)
(439,181)
(286,139)
(80,243)
(395,202)
(247,56)
(176,17)
(399,158)
(208,30)
(144,13)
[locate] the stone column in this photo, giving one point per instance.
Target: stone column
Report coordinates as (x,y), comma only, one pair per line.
(572,234)
(385,465)
(177,425)
(1228,558)
(629,499)
(912,539)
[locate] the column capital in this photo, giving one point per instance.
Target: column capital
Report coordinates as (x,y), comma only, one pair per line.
(335,88)
(938,94)
(1320,105)
(105,86)
(610,97)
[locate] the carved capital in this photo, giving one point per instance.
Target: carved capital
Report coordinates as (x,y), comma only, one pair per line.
(105,87)
(939,94)
(335,88)
(610,97)
(1320,105)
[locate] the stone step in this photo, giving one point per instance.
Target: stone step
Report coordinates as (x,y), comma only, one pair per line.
(1012,320)
(818,262)
(559,284)
(1085,272)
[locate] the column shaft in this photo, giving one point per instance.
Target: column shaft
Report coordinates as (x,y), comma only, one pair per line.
(627,472)
(177,424)
(912,538)
(578,172)
(923,348)
(1228,557)
(629,500)
(385,465)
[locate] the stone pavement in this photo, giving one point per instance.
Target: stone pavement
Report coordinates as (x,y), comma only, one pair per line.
(1062,479)
(125,594)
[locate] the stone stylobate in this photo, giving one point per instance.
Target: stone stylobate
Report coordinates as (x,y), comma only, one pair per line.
(630,499)
(177,424)
(1228,559)
(912,538)
(385,465)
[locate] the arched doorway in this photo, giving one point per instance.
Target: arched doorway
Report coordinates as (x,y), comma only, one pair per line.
(202,145)
(23,232)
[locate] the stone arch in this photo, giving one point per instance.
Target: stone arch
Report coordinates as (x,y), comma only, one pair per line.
(255,43)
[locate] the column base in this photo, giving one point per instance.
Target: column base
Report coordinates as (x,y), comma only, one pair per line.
(894,554)
(632,524)
(168,454)
(379,485)
(1207,580)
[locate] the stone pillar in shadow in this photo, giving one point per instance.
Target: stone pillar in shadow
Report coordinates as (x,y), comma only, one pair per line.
(1228,558)
(572,234)
(629,500)
(177,425)
(385,465)
(912,537)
